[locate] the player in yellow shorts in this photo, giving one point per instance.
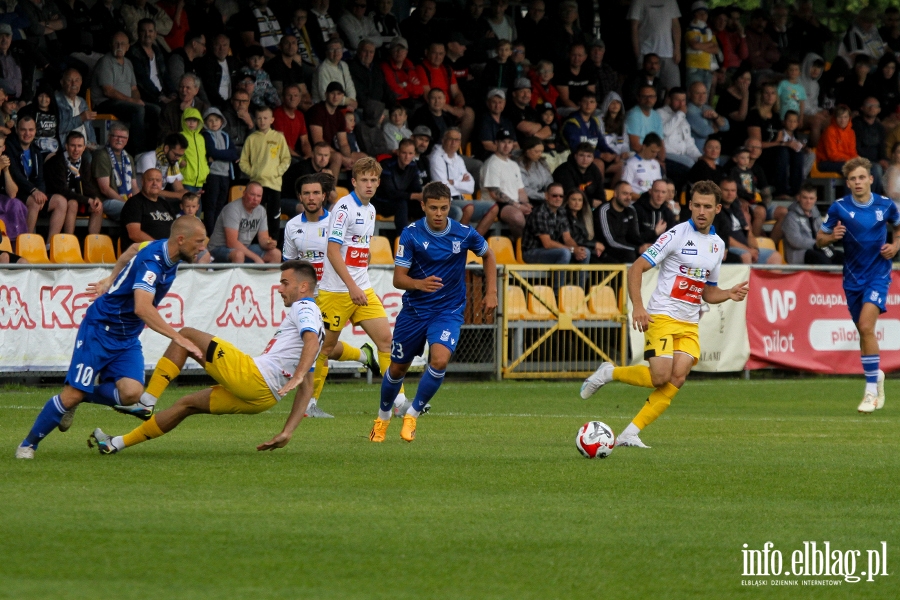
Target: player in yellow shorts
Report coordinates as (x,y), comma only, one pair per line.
(345,292)
(246,385)
(688,256)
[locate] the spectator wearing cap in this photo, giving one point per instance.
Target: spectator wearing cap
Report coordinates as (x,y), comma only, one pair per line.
(543,91)
(580,172)
(400,74)
(326,123)
(584,126)
(642,120)
(356,25)
(435,73)
(421,137)
(448,167)
(701,47)
(607,77)
(334,70)
(501,178)
(546,239)
(492,122)
(420,29)
(16,68)
(532,30)
(656,28)
(368,78)
(523,117)
(574,81)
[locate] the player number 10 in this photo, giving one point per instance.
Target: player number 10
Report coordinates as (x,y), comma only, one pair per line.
(85,374)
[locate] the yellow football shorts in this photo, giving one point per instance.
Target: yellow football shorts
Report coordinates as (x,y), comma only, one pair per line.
(666,335)
(337,308)
(242,389)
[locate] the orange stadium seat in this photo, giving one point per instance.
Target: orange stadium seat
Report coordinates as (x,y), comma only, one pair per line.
(31,247)
(98,248)
(65,249)
(602,303)
(341,191)
(503,250)
(538,308)
(235,192)
(380,251)
(516,307)
(471,257)
(571,300)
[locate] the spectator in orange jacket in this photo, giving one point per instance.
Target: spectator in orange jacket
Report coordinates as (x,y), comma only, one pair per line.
(838,142)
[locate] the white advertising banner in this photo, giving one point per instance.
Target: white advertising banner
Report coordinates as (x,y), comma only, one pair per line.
(724,344)
(40,311)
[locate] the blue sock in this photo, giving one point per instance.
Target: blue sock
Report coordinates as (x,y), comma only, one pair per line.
(46,422)
(870,367)
(428,387)
(106,394)
(390,387)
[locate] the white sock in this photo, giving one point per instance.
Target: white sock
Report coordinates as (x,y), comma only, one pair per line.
(871,388)
(384,415)
(117,442)
(413,412)
(312,402)
(632,429)
(148,400)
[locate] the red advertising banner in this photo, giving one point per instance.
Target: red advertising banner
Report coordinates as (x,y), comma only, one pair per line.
(800,321)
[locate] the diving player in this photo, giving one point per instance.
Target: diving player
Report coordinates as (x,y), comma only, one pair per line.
(431,266)
(688,256)
(861,219)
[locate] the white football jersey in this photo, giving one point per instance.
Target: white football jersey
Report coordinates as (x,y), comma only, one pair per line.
(688,261)
(279,360)
(641,173)
(351,224)
(307,241)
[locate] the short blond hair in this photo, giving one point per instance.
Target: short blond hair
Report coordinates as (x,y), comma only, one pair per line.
(366,166)
(855,163)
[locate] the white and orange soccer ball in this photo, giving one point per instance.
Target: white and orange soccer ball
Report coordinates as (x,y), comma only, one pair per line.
(595,440)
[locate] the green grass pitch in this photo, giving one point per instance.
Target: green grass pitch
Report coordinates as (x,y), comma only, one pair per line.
(492,500)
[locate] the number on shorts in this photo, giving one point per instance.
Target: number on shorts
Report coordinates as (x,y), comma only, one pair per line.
(85,374)
(336,319)
(664,340)
(397,349)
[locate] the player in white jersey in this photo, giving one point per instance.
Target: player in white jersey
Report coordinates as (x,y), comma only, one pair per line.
(306,238)
(345,292)
(247,385)
(689,256)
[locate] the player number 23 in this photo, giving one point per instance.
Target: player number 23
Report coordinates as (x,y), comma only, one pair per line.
(397,349)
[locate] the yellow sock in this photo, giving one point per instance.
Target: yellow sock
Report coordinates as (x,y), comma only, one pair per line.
(656,405)
(350,353)
(638,376)
(320,374)
(147,431)
(163,375)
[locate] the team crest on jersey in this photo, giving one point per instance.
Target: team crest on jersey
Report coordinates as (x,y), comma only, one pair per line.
(457,247)
(879,215)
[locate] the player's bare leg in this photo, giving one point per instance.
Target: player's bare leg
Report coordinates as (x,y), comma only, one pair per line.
(667,374)
(873,398)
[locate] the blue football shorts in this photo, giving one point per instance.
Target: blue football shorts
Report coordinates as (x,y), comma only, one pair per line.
(411,334)
(874,293)
(98,353)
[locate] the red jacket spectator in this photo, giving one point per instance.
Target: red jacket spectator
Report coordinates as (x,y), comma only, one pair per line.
(403,81)
(541,93)
(180,27)
(436,77)
(734,48)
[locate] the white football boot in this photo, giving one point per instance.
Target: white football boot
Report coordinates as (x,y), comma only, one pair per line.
(869,404)
(600,377)
(632,441)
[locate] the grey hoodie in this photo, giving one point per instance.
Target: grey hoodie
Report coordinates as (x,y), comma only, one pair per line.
(219,147)
(618,142)
(809,84)
(798,235)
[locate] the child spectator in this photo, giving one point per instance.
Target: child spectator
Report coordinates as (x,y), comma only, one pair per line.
(815,117)
(264,159)
(222,154)
(542,90)
(350,120)
(518,58)
(264,92)
(741,173)
(838,143)
(46,118)
(547,115)
(642,169)
(396,130)
(196,166)
(190,205)
(702,48)
(499,72)
(612,118)
(791,93)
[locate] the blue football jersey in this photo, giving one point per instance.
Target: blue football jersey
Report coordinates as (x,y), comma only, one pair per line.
(442,254)
(152,271)
(866,232)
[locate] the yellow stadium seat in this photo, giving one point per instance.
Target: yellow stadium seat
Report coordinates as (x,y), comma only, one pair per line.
(98,248)
(817,174)
(341,191)
(5,244)
(235,192)
(537,308)
(781,250)
(468,149)
(519,251)
(31,247)
(610,194)
(383,218)
(471,257)
(380,251)
(503,250)
(65,250)
(571,300)
(516,307)
(467,197)
(2,227)
(602,303)
(764,242)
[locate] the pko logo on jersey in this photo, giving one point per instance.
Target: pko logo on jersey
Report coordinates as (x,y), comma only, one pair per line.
(813,564)
(778,304)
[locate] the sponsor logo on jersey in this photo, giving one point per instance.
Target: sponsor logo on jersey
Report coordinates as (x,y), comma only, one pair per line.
(360,221)
(689,251)
(457,246)
(687,290)
(690,243)
(694,272)
(357,257)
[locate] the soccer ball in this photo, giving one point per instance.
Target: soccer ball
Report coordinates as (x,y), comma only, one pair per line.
(595,440)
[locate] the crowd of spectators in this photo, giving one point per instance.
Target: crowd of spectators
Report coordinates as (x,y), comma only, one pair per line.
(116,113)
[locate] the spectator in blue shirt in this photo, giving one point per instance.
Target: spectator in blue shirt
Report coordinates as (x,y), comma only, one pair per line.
(703,119)
(583,126)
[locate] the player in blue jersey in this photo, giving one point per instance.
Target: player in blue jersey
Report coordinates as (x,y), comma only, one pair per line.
(431,266)
(861,220)
(107,344)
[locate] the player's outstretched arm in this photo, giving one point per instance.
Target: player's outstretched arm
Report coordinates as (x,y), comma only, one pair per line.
(99,288)
(402,281)
(302,380)
(716,295)
(641,320)
(146,312)
(489,302)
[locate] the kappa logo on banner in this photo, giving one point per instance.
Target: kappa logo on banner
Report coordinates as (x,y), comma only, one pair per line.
(241,309)
(13,310)
(778,304)
(357,257)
